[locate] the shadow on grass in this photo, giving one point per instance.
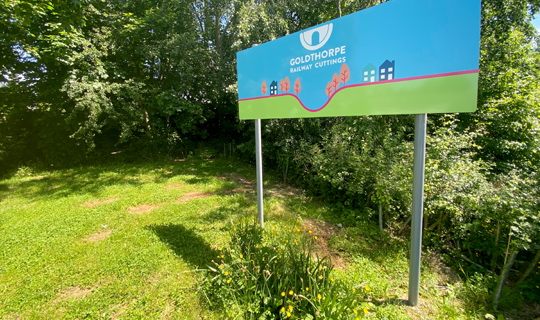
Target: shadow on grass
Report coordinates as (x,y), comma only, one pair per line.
(93,179)
(186,244)
(4,189)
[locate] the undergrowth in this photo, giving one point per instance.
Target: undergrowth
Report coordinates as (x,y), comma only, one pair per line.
(273,273)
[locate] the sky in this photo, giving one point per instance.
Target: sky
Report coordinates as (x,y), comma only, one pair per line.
(536,21)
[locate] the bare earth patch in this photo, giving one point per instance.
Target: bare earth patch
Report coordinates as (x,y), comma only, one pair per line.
(443,273)
(99,236)
(283,192)
(246,184)
(143,208)
(323,231)
(175,186)
(192,195)
(96,203)
(121,310)
(73,293)
(167,310)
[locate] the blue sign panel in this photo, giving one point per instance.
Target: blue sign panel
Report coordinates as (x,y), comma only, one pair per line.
(402,56)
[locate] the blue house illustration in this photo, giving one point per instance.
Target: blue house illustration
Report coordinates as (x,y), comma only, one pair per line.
(273,88)
(369,74)
(387,70)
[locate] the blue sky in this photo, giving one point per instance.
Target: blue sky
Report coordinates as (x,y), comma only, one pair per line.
(536,21)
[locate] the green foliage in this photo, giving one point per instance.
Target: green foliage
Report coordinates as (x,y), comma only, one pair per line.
(272,273)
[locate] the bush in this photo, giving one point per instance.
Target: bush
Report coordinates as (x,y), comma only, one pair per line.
(273,273)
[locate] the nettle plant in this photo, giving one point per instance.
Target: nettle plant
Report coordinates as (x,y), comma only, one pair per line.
(273,273)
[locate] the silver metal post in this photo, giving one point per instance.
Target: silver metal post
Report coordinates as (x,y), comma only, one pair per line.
(420,122)
(258,157)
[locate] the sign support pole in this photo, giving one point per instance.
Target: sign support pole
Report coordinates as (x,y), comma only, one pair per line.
(258,159)
(420,122)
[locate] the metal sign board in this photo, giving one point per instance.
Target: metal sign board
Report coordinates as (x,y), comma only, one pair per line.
(399,57)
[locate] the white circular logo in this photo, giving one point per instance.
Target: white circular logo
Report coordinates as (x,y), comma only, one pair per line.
(317,37)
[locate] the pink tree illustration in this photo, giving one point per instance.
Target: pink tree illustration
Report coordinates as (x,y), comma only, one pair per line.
(297,86)
(286,84)
(263,88)
(344,74)
(335,81)
(329,88)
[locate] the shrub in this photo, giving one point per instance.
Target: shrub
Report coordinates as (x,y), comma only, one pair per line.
(273,273)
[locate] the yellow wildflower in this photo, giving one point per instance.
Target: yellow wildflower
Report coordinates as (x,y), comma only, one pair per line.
(283,309)
(355,312)
(365,310)
(310,231)
(307,288)
(319,296)
(241,256)
(226,273)
(283,294)
(320,277)
(291,293)
(290,307)
(288,314)
(228,281)
(368,288)
(221,266)
(315,237)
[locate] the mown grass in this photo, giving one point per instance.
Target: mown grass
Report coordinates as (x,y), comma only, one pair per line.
(128,241)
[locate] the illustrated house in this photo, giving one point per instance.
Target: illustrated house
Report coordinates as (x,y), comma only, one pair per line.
(273,88)
(386,70)
(369,73)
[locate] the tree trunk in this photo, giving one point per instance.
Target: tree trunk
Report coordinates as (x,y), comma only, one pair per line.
(504,274)
(380,218)
(338,4)
(494,256)
(147,120)
(531,266)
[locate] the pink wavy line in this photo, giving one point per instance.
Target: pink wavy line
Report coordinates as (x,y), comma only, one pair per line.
(439,75)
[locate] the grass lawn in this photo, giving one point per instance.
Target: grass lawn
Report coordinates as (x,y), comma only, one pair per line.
(127,241)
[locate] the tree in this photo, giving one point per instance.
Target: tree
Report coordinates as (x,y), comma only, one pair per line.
(297,86)
(329,88)
(344,74)
(335,81)
(286,84)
